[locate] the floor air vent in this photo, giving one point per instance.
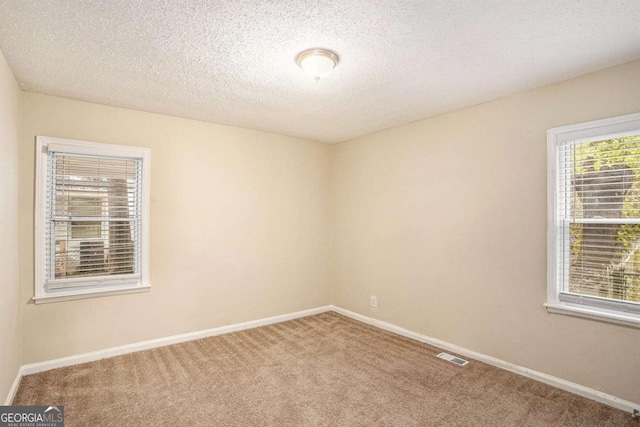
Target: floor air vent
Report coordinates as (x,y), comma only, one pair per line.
(453,359)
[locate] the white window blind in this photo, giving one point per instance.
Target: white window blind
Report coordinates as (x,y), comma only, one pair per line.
(598,218)
(93,229)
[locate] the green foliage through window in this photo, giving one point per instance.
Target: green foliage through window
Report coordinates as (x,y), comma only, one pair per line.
(605,191)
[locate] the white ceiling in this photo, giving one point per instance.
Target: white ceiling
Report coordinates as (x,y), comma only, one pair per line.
(232,62)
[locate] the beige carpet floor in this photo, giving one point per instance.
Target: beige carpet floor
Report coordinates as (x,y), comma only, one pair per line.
(323,370)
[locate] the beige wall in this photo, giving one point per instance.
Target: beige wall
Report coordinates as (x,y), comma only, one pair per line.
(10,341)
(240,228)
(445,221)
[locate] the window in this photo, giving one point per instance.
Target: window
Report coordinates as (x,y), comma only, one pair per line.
(84,206)
(594,220)
(92,219)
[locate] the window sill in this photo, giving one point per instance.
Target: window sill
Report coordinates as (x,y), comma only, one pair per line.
(602,315)
(91,293)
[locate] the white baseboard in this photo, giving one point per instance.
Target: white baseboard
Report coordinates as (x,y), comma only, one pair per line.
(14,388)
(569,386)
(161,342)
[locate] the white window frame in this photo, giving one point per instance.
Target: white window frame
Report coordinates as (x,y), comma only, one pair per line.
(602,309)
(89,287)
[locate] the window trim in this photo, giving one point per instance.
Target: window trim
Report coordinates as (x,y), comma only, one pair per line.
(118,285)
(558,301)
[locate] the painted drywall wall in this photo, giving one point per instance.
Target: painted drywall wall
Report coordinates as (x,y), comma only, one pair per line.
(10,333)
(240,228)
(444,220)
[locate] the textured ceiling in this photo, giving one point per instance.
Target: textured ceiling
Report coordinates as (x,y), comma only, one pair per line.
(232,62)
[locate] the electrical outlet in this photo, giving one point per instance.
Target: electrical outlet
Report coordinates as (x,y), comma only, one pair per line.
(374,301)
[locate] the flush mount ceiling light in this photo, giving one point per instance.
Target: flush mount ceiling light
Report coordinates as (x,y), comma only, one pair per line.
(317,62)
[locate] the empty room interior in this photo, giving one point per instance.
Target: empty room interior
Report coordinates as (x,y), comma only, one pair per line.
(354,213)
